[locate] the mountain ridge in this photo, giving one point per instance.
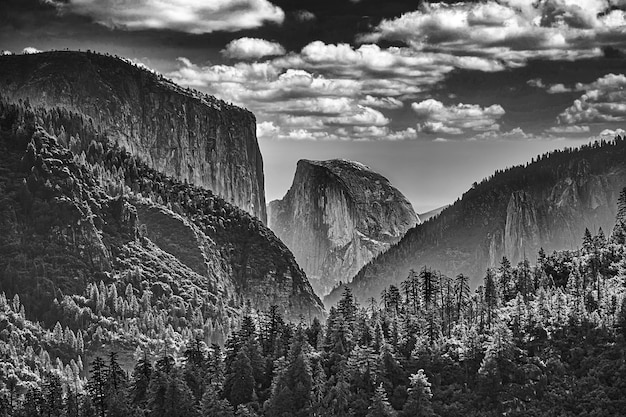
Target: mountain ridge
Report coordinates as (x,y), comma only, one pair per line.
(563,191)
(336,216)
(183,133)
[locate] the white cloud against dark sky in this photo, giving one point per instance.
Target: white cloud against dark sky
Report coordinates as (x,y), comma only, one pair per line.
(369,79)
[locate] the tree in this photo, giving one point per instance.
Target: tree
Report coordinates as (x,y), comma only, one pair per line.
(97,386)
(291,390)
(411,288)
(239,383)
(142,373)
(418,403)
(380,406)
(462,293)
(491,296)
(213,406)
(52,392)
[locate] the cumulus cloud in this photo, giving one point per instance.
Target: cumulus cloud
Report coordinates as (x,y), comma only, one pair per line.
(30,50)
(610,133)
(191,16)
(513,134)
(552,88)
(266,129)
(381,102)
(252,48)
(456,119)
(604,100)
(569,129)
(511,30)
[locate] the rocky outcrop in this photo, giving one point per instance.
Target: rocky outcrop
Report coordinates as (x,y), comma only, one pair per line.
(107,212)
(337,216)
(545,204)
(522,227)
(184,134)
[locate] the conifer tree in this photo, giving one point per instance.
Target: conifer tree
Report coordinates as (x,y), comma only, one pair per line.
(418,403)
(380,406)
(239,383)
(97,386)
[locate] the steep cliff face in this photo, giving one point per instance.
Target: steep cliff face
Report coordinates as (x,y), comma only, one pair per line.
(192,137)
(337,216)
(545,204)
(68,220)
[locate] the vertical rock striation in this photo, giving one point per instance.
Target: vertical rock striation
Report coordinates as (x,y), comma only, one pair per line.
(192,137)
(337,216)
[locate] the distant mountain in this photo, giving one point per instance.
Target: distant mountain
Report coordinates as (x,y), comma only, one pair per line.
(337,216)
(546,204)
(432,213)
(182,133)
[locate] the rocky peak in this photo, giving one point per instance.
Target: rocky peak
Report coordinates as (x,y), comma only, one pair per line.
(337,216)
(185,134)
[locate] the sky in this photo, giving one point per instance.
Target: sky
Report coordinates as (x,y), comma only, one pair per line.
(433,95)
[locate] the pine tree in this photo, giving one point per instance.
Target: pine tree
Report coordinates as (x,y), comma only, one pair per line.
(462,294)
(239,383)
(52,392)
(213,406)
(97,386)
(291,390)
(380,406)
(418,403)
(491,296)
(142,373)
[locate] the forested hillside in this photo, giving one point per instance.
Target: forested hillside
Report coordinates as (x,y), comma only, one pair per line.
(547,339)
(100,253)
(546,203)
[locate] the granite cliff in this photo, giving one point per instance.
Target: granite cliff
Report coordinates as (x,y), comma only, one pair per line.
(70,220)
(337,216)
(182,133)
(544,204)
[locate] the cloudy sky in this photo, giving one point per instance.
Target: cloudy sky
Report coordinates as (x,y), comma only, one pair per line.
(433,95)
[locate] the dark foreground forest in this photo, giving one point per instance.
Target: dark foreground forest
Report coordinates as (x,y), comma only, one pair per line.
(540,340)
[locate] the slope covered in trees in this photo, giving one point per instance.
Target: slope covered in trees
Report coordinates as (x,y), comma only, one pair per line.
(547,339)
(80,247)
(547,204)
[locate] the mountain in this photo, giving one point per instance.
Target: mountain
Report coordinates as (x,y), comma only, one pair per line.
(92,231)
(182,133)
(546,204)
(337,216)
(424,217)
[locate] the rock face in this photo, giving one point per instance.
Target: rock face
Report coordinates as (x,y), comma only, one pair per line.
(105,213)
(337,216)
(192,137)
(545,204)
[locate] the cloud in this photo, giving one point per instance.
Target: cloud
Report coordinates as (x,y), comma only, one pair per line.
(266,129)
(536,82)
(559,88)
(510,30)
(550,89)
(6,52)
(252,48)
(456,119)
(191,16)
(604,101)
(381,102)
(610,133)
(513,134)
(30,50)
(569,129)
(304,16)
